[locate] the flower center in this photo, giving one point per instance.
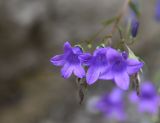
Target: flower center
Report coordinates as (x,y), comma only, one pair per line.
(119,65)
(72,58)
(100,59)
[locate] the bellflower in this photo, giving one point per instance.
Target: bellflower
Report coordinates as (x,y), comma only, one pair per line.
(112,105)
(157,10)
(70,61)
(97,64)
(120,67)
(148,101)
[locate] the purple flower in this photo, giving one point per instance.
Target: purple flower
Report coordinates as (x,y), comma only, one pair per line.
(157,10)
(97,64)
(134,27)
(148,101)
(112,105)
(70,61)
(120,67)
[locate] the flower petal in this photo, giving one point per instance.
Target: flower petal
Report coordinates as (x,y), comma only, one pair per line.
(58,60)
(85,58)
(92,75)
(133,97)
(79,71)
(77,50)
(100,51)
(148,106)
(67,46)
(116,95)
(107,75)
(112,54)
(67,70)
(133,66)
(117,113)
(122,80)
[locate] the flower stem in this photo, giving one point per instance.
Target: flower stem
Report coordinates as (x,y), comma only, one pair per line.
(119,17)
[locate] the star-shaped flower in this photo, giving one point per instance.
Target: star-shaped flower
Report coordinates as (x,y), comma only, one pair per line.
(112,105)
(97,64)
(70,61)
(120,67)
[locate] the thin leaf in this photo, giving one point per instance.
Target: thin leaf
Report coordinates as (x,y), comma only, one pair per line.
(133,6)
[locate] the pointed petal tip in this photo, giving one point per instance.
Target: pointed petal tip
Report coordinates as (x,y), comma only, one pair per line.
(57,60)
(67,43)
(67,46)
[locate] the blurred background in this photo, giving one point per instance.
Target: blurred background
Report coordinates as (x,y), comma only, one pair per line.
(32,31)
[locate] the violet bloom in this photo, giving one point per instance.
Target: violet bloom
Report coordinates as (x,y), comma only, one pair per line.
(70,61)
(148,101)
(112,105)
(97,64)
(120,67)
(157,10)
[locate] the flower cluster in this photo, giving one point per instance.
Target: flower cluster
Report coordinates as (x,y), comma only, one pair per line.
(106,63)
(112,105)
(148,100)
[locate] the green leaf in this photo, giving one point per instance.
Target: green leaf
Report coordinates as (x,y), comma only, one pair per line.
(109,21)
(133,6)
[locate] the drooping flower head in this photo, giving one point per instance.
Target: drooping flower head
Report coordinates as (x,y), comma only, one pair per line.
(120,67)
(70,61)
(148,101)
(157,10)
(97,64)
(112,105)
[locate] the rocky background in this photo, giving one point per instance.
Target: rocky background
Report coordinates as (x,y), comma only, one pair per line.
(32,31)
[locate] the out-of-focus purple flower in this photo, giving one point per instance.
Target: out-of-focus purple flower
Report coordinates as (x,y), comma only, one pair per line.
(157,10)
(120,67)
(70,61)
(97,63)
(112,105)
(148,101)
